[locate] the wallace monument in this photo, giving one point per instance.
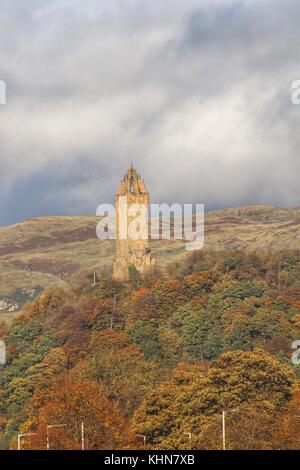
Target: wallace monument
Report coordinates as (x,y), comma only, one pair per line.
(131,251)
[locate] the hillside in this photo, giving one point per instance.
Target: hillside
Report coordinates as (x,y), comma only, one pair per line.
(158,358)
(51,251)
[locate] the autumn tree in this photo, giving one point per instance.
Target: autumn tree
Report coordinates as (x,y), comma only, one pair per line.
(253,382)
(73,403)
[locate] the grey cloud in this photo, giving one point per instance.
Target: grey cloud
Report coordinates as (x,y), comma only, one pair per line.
(196,93)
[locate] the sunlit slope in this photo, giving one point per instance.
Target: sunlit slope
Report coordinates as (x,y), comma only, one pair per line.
(50,250)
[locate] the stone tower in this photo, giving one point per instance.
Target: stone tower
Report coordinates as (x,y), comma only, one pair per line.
(131,252)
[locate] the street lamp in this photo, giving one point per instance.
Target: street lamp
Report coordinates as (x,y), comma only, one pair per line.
(82,435)
(189,434)
(20,436)
(224,425)
(50,426)
(144,439)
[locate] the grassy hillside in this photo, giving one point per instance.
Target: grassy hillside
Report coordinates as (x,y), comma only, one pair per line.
(52,251)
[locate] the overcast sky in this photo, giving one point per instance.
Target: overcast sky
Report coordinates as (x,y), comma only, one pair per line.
(197,93)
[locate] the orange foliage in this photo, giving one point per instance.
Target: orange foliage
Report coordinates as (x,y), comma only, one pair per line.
(198,283)
(73,403)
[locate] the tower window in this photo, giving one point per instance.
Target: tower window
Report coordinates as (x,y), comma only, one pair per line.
(132,185)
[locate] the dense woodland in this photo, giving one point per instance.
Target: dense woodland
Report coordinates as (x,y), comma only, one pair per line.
(160,357)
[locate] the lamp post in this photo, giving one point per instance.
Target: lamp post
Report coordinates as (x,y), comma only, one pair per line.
(224,425)
(20,436)
(82,435)
(189,434)
(144,439)
(50,426)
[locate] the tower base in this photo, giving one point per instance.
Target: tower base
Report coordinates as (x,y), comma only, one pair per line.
(143,261)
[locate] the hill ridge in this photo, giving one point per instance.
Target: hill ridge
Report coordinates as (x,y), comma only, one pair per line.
(48,251)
